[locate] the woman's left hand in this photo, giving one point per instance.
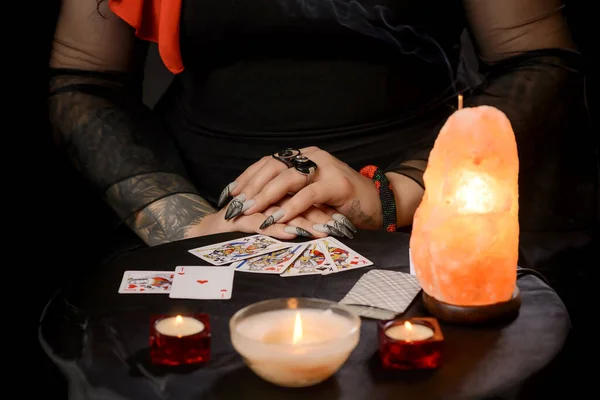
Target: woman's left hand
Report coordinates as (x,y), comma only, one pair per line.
(334,184)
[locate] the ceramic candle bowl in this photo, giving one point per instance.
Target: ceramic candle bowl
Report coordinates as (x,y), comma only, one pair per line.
(294,342)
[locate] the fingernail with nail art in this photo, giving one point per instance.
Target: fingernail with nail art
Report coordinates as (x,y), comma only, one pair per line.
(295,230)
(342,228)
(341,218)
(235,207)
(328,229)
(226,193)
(271,219)
(248,204)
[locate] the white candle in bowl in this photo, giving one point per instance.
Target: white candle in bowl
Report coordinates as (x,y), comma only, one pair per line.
(179,326)
(295,347)
(409,332)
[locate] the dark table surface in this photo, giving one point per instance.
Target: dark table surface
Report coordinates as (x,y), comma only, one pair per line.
(99,338)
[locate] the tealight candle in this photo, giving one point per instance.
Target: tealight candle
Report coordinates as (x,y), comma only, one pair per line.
(179,326)
(180,339)
(409,332)
(411,344)
(295,342)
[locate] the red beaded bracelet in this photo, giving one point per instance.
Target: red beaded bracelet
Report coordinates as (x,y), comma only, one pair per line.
(384,188)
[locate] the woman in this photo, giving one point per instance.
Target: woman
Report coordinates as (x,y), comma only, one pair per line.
(359,87)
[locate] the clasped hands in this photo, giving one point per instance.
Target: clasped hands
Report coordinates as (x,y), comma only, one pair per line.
(278,200)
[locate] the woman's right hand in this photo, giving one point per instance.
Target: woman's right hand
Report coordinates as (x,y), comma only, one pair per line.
(303,225)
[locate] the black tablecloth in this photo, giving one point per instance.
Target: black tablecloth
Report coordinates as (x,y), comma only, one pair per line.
(99,338)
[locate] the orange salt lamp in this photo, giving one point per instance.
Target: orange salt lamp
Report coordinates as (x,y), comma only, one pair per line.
(464,242)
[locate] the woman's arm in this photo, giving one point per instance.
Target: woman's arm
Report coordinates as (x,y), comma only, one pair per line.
(98,118)
(532,73)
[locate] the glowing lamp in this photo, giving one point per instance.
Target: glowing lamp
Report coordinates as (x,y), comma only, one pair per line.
(464,242)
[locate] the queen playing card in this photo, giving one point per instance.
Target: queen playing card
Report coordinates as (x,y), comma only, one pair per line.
(202,283)
(146,282)
(314,260)
(343,257)
(271,263)
(238,249)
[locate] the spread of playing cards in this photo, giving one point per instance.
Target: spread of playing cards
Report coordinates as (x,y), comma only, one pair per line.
(212,277)
(316,257)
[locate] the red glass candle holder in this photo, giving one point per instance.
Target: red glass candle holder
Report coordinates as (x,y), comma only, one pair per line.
(180,339)
(408,344)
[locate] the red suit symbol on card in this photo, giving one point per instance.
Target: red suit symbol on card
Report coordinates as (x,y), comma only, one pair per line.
(202,281)
(132,286)
(181,272)
(223,291)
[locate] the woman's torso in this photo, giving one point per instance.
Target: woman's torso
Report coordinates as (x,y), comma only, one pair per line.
(356,78)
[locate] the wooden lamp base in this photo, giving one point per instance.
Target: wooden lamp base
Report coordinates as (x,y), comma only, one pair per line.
(474,315)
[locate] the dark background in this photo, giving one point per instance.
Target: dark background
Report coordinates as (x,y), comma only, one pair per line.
(79,226)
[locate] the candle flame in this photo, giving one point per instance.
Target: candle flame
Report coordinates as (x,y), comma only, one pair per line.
(460,101)
(408,327)
(178,322)
(297,330)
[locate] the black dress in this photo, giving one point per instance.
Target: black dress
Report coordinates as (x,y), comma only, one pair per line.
(370,82)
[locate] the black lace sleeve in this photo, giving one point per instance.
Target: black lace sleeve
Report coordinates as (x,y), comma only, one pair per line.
(115,142)
(534,73)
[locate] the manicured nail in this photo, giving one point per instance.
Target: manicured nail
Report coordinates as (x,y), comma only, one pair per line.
(342,228)
(295,230)
(225,194)
(271,219)
(328,229)
(248,204)
(235,207)
(341,218)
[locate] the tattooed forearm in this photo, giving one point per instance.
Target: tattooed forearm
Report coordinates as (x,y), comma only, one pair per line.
(117,145)
(170,218)
(135,193)
(107,132)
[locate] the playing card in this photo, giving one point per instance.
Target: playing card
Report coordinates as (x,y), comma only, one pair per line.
(238,249)
(271,263)
(380,290)
(202,283)
(371,312)
(344,258)
(148,282)
(314,260)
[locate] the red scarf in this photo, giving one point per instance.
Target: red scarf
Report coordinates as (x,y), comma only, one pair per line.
(156,21)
